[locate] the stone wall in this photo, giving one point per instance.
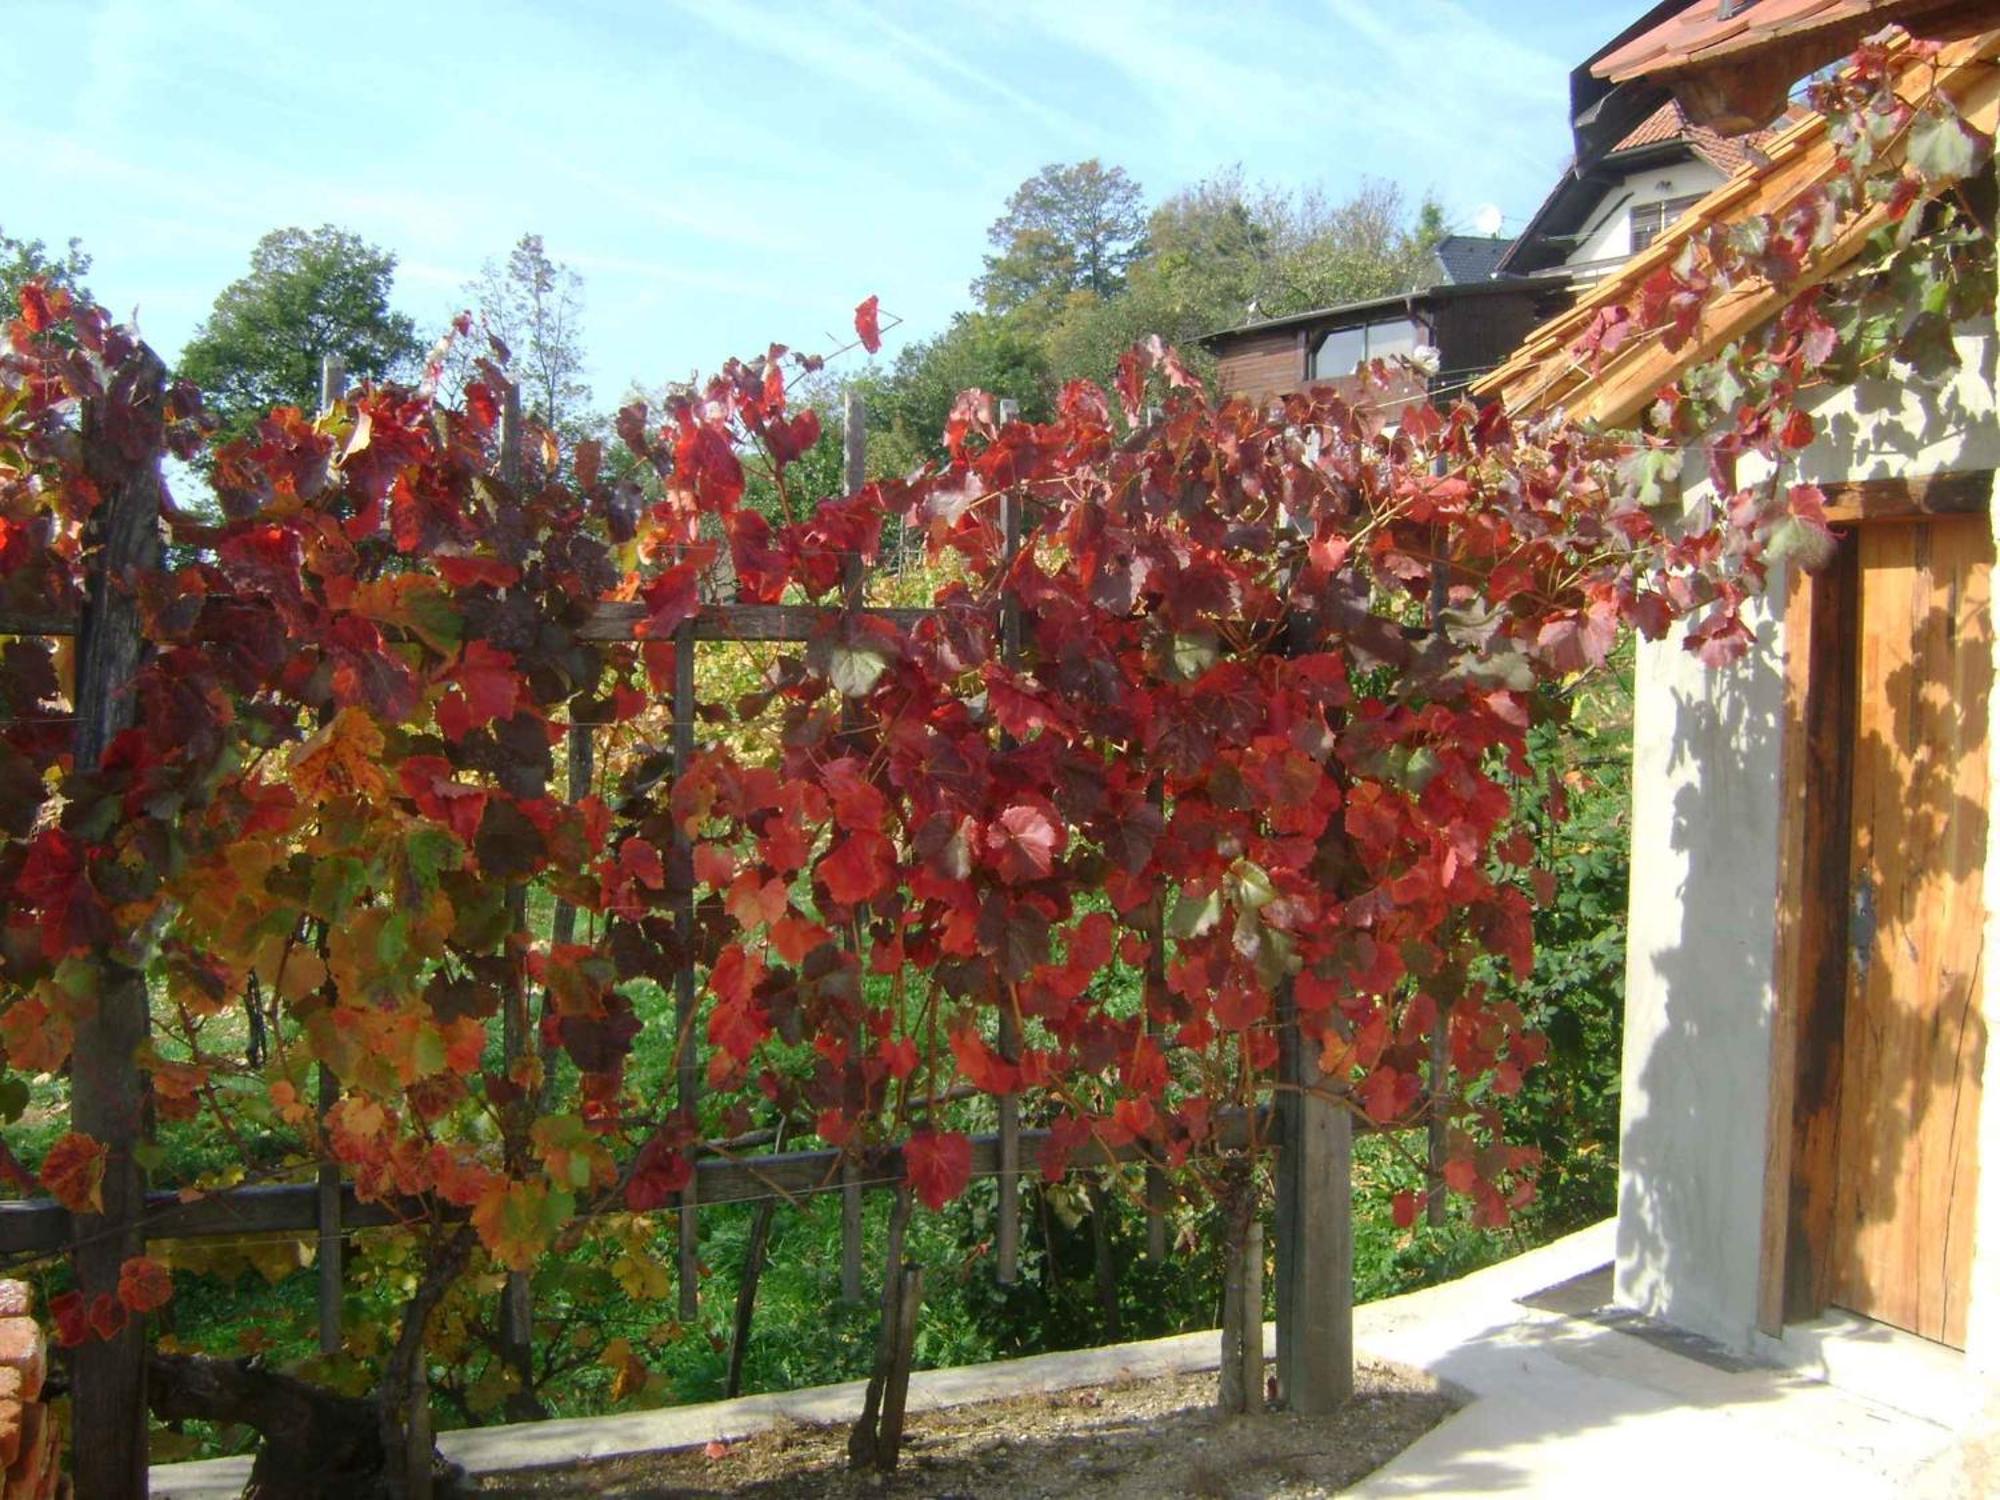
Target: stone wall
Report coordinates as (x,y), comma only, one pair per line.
(29,1449)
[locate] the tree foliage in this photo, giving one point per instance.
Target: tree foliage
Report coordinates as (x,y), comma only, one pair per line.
(308,294)
(1067,229)
(533,305)
(1212,256)
(23,261)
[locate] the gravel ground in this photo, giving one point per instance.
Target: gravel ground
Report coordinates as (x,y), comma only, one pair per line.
(1142,1440)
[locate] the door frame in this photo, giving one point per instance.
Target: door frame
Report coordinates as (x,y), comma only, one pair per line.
(1821,646)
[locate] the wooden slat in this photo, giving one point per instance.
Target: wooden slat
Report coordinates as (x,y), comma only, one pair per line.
(1154,997)
(1902,497)
(517,1306)
(330,1257)
(854,471)
(687,1076)
(35,623)
(1544,374)
(39,1226)
(1907,1154)
(620,619)
(1007,1236)
(108,1099)
(1811,936)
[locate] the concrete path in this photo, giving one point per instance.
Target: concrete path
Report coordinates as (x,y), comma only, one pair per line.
(1557,1406)
(1563,1406)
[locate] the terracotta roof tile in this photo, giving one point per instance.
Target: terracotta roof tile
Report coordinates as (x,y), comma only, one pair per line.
(1711,29)
(1730,154)
(1546,372)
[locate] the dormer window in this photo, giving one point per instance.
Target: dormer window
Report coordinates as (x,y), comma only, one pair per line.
(1651,220)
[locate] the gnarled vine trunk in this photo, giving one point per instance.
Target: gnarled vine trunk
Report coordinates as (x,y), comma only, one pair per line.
(319,1444)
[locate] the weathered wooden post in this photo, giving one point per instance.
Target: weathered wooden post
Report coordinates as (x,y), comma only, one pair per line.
(687,1074)
(517,1306)
(1315,1230)
(854,474)
(1155,995)
(107,1091)
(1438,1135)
(332,386)
(1007,1239)
(1314,1219)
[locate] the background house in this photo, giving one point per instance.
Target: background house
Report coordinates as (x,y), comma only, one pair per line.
(1472,323)
(1815,873)
(1485,294)
(1607,208)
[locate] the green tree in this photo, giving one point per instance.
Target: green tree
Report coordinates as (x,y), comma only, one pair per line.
(1366,245)
(1066,229)
(908,408)
(1208,250)
(22,261)
(1221,253)
(309,294)
(534,305)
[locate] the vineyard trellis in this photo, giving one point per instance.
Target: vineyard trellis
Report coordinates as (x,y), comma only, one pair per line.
(1314,1245)
(1276,668)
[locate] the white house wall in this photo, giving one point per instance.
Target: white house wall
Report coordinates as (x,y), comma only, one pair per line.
(1608,231)
(1700,959)
(1698,981)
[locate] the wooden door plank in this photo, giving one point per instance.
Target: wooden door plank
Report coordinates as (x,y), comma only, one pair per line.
(1914,1033)
(1811,962)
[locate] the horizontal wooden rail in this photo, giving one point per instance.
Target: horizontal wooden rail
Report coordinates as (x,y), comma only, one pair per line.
(41,1227)
(1907,497)
(619,619)
(20,622)
(616,620)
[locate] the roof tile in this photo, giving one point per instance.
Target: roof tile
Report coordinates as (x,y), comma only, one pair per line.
(1702,32)
(1545,371)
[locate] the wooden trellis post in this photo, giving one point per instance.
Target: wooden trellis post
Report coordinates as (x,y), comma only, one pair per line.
(107,1091)
(517,1306)
(687,1084)
(1155,995)
(1007,1239)
(1315,1230)
(1314,1219)
(854,474)
(1446,990)
(331,1249)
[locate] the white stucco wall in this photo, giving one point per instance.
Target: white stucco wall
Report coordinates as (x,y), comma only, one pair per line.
(1702,931)
(1698,981)
(1607,234)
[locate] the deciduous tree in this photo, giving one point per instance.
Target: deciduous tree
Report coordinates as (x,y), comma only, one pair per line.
(1066,229)
(22,261)
(308,294)
(534,305)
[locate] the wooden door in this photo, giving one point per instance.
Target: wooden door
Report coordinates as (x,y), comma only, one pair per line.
(1913,1036)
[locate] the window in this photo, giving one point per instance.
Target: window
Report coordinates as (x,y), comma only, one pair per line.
(1651,220)
(1338,352)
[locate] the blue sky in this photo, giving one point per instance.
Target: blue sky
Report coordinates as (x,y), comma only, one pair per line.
(726,175)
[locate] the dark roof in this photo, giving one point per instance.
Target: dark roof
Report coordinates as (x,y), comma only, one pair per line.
(1465,257)
(1357,312)
(1602,114)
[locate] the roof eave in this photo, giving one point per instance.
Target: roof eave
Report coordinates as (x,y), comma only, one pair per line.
(1449,291)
